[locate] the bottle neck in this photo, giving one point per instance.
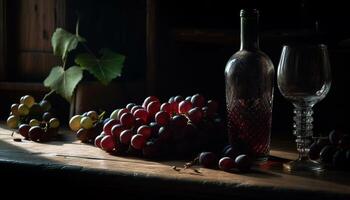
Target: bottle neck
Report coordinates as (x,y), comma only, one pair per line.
(249,33)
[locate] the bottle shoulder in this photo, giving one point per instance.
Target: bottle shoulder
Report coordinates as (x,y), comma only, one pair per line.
(251,58)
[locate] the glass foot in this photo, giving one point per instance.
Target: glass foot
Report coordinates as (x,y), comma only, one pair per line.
(303,165)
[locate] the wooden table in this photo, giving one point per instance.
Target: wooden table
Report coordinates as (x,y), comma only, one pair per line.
(72,164)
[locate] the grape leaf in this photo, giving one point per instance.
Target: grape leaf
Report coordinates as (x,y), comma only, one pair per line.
(63,81)
(105,69)
(62,42)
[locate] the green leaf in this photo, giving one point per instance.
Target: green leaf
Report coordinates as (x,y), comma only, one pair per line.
(62,42)
(105,69)
(63,82)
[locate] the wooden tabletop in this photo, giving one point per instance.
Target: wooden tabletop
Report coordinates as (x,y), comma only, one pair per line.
(73,161)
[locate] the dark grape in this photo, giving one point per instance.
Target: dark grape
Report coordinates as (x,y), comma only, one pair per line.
(130,106)
(208,159)
(339,159)
(198,100)
(179,121)
(24,130)
(326,154)
(46,116)
(135,108)
(45,105)
(165,133)
(243,163)
(335,136)
(195,115)
(35,133)
(314,152)
(83,135)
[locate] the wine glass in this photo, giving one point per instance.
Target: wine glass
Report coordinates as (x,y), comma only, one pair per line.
(304,78)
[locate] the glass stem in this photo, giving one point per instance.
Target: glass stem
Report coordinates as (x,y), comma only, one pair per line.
(303,130)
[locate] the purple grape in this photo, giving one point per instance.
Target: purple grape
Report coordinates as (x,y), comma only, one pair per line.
(314,152)
(243,163)
(335,136)
(208,159)
(326,154)
(339,159)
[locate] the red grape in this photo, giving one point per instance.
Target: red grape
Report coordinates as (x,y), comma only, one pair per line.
(83,135)
(162,118)
(116,130)
(141,113)
(226,163)
(127,120)
(97,141)
(167,107)
(145,131)
(108,143)
(107,128)
(135,108)
(122,111)
(149,100)
(153,107)
(184,107)
(198,100)
(138,141)
(125,136)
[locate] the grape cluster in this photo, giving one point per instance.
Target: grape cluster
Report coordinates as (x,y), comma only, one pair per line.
(33,119)
(87,126)
(332,151)
(179,128)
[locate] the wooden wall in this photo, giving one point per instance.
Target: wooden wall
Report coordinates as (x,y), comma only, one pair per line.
(30,27)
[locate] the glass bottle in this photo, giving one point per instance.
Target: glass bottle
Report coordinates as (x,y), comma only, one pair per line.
(249,75)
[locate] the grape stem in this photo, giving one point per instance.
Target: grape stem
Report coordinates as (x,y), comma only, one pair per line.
(48,94)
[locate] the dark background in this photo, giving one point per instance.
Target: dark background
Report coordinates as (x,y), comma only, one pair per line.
(194,40)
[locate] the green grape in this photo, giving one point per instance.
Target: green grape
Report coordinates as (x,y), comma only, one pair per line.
(86,123)
(74,122)
(34,122)
(93,115)
(45,105)
(23,110)
(12,121)
(14,109)
(114,114)
(54,123)
(28,100)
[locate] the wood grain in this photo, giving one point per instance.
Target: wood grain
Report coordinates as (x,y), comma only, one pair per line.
(267,179)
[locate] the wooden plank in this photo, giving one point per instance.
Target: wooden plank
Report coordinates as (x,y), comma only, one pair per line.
(36,65)
(36,24)
(267,180)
